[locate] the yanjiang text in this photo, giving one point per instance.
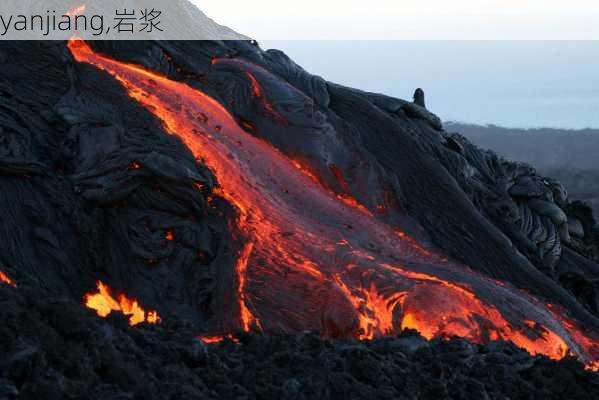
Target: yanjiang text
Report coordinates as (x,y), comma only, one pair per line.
(123,21)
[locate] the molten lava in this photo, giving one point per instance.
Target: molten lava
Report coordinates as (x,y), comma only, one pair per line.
(314,260)
(104,303)
(5,279)
(246,316)
(215,339)
(169,236)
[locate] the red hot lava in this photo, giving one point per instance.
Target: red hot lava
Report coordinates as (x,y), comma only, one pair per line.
(215,339)
(315,261)
(5,279)
(104,303)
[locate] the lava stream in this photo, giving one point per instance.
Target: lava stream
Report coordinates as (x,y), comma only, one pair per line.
(104,303)
(5,279)
(215,339)
(314,261)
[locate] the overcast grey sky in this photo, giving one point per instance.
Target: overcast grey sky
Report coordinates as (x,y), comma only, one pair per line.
(510,83)
(408,19)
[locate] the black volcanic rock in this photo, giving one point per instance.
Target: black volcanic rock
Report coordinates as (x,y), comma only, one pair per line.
(566,154)
(54,349)
(93,188)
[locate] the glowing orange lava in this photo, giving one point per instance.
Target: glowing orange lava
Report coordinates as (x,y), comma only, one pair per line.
(215,339)
(246,316)
(310,257)
(104,303)
(375,311)
(5,279)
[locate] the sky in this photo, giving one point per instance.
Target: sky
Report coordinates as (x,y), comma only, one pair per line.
(407,19)
(505,81)
(509,83)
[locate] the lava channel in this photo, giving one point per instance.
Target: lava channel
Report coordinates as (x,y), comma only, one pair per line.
(313,262)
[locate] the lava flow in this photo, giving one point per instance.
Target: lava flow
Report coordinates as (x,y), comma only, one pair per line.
(5,279)
(104,303)
(215,339)
(313,261)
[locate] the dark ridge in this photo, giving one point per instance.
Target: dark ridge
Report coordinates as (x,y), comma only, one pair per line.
(567,155)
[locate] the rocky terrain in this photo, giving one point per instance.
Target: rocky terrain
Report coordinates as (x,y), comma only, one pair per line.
(213,189)
(54,349)
(566,155)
